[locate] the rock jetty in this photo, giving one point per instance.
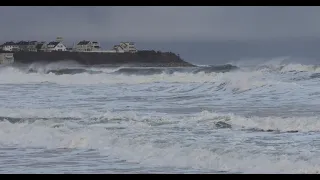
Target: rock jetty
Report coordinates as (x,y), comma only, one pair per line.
(140,58)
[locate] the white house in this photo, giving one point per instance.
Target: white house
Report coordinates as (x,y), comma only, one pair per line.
(95,46)
(82,46)
(56,46)
(32,46)
(128,47)
(10,46)
(87,46)
(41,47)
(23,45)
(118,49)
(125,47)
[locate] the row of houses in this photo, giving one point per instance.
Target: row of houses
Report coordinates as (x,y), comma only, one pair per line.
(33,46)
(58,45)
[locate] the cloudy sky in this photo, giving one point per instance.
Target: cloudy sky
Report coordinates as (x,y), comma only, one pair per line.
(159,23)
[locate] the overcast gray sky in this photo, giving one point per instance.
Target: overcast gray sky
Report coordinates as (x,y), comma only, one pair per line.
(159,23)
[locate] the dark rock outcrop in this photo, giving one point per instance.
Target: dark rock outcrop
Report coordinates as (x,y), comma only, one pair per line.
(141,58)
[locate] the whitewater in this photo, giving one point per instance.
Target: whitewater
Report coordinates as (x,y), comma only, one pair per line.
(234,118)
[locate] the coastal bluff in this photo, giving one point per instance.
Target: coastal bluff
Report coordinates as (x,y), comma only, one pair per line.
(140,58)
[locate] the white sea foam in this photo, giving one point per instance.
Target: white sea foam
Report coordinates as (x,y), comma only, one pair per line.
(240,80)
(121,118)
(127,143)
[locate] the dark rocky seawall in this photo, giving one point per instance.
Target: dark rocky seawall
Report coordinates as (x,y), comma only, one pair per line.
(141,58)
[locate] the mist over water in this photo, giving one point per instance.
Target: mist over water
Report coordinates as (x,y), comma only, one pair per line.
(247,116)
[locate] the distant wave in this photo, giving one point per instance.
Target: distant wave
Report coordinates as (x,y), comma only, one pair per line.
(142,71)
(278,64)
(220,77)
(287,68)
(152,71)
(66,71)
(217,69)
(133,70)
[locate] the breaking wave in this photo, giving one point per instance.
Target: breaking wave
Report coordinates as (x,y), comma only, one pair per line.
(71,67)
(60,69)
(158,118)
(212,78)
(119,135)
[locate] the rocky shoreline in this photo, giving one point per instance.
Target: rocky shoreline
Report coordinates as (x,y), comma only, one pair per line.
(138,59)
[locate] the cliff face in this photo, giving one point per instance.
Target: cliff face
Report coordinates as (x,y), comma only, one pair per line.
(141,58)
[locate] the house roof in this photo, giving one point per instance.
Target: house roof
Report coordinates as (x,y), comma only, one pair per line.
(9,43)
(23,43)
(54,43)
(83,42)
(127,42)
(33,42)
(117,46)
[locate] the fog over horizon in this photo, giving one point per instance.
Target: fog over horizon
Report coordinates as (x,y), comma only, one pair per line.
(160,23)
(199,34)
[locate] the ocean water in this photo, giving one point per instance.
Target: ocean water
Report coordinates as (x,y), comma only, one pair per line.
(239,118)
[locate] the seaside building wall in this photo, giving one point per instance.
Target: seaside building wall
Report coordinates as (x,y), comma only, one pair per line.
(6,58)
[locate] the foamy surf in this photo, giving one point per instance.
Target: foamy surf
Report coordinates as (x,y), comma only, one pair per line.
(66,118)
(120,135)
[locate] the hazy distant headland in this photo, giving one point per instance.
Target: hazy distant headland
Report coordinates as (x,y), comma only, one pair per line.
(90,53)
(226,51)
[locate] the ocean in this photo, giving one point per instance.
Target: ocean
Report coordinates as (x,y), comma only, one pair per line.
(228,118)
